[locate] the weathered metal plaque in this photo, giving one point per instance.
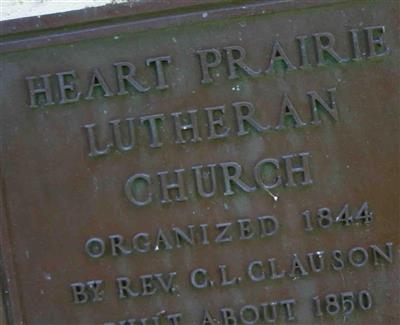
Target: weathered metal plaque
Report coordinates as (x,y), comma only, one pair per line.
(202,163)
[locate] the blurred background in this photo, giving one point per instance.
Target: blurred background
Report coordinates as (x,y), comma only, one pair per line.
(12,9)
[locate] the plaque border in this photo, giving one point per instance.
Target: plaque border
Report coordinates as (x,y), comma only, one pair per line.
(129,18)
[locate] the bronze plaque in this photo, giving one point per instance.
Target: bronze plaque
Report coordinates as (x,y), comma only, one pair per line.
(202,163)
